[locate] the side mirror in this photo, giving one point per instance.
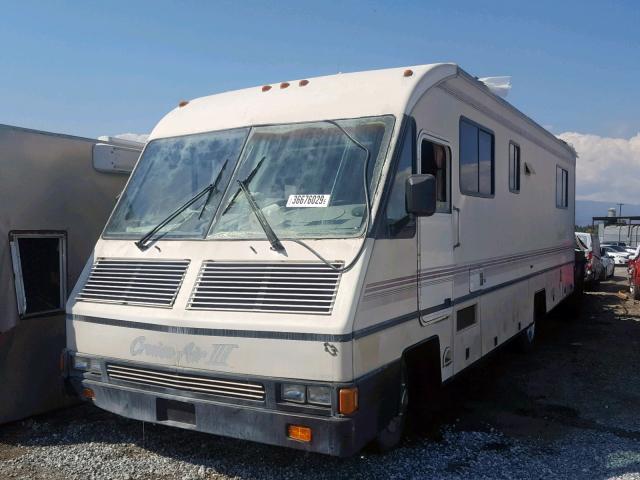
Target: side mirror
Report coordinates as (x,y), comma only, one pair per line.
(420,195)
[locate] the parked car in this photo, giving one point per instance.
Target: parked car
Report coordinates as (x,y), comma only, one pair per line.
(608,265)
(620,246)
(618,254)
(590,244)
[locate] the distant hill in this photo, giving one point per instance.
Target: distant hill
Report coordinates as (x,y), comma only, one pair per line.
(585,209)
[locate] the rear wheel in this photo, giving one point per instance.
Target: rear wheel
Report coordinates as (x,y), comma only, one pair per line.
(527,338)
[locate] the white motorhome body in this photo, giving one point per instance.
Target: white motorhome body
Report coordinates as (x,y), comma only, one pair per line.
(214,328)
(56,192)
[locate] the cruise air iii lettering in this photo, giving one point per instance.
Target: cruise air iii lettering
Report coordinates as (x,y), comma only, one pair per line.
(216,355)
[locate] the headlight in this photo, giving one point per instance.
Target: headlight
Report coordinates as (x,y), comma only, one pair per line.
(319,395)
(294,393)
(86,364)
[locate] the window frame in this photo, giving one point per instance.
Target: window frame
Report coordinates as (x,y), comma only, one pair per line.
(480,127)
(422,137)
(21,304)
(518,178)
(564,187)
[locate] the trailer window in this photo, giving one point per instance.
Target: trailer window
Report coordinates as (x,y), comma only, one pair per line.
(476,159)
(39,265)
(562,188)
(435,160)
(514,167)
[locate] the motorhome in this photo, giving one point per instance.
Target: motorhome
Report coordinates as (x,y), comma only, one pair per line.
(56,192)
(293,263)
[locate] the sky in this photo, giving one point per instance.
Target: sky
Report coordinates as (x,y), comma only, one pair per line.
(106,68)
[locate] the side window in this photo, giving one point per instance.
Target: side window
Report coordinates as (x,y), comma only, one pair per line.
(476,159)
(435,159)
(514,167)
(39,266)
(398,222)
(562,188)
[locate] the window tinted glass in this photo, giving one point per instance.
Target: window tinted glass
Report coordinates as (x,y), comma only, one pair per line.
(397,218)
(562,188)
(435,161)
(485,162)
(468,157)
(476,159)
(514,167)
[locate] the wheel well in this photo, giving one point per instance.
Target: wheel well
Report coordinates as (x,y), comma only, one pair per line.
(422,362)
(539,304)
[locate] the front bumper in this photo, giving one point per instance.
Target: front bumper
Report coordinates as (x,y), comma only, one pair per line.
(264,422)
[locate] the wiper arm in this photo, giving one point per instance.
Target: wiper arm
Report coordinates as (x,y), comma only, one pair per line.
(262,220)
(246,181)
(143,243)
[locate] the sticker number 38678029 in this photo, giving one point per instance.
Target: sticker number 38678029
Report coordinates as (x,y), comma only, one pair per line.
(308,200)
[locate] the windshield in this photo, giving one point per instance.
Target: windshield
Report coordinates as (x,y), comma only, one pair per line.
(307,179)
(169,173)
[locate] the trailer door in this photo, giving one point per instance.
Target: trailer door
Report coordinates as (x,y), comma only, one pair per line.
(435,243)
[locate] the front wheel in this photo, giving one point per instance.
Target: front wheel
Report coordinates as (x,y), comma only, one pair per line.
(391,435)
(635,291)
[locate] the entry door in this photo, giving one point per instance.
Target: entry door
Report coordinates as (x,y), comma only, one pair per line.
(435,235)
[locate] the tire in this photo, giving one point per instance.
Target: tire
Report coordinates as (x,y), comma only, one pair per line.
(526,339)
(391,435)
(635,291)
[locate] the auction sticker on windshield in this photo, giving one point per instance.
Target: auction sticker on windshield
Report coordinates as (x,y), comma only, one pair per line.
(308,200)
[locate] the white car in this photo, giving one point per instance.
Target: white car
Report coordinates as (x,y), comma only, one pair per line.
(608,266)
(618,254)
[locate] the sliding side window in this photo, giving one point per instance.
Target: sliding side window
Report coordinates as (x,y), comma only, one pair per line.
(514,167)
(435,160)
(562,188)
(39,267)
(476,159)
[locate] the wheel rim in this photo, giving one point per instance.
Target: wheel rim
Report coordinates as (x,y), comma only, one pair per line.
(531,332)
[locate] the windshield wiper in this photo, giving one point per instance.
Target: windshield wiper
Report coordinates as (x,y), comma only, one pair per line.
(262,220)
(143,243)
(246,181)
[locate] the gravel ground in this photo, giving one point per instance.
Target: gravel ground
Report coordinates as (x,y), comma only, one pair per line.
(569,409)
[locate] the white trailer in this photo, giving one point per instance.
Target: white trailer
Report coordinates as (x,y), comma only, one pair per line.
(292,263)
(56,192)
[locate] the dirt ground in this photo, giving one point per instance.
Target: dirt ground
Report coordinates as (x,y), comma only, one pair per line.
(569,409)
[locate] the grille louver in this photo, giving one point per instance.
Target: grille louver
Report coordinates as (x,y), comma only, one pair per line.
(186,382)
(286,287)
(134,282)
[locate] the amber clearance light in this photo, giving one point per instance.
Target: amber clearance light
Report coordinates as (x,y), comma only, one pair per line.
(348,400)
(298,432)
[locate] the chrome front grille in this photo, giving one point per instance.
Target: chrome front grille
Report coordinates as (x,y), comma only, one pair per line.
(287,287)
(186,382)
(134,282)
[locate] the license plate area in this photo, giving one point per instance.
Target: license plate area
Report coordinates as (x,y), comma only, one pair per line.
(175,411)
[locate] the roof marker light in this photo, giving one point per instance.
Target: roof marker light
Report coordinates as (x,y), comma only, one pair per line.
(266,88)
(284,84)
(303,83)
(408,72)
(183,103)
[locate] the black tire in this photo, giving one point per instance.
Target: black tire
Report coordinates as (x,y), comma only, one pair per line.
(526,339)
(391,435)
(635,291)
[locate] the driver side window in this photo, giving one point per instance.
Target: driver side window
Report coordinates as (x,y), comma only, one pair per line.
(398,222)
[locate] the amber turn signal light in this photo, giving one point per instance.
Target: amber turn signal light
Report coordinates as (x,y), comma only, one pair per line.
(408,72)
(88,394)
(348,400)
(298,432)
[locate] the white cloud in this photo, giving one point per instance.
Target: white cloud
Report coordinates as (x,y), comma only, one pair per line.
(608,169)
(136,137)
